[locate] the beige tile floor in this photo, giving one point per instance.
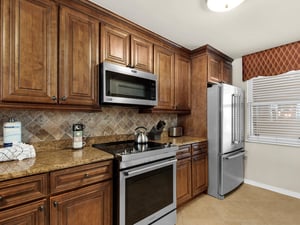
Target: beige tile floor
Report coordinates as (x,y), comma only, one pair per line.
(248,205)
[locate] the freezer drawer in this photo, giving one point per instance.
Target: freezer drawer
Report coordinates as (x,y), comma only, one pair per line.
(232,171)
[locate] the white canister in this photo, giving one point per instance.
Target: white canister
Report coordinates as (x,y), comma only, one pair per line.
(12,132)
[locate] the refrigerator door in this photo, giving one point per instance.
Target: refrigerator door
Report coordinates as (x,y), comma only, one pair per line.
(232,171)
(232,118)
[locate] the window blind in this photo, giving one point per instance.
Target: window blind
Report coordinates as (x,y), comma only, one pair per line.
(274,109)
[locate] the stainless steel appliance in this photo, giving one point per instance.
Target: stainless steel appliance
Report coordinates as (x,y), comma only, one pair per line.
(225,114)
(144,182)
(124,85)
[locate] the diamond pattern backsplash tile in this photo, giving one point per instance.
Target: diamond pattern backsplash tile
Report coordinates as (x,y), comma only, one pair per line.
(57,125)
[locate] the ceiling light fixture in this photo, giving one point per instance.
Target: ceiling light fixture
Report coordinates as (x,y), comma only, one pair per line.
(222,5)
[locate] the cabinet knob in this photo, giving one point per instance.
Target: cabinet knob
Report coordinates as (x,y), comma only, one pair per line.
(86,175)
(41,208)
(54,98)
(1,198)
(55,204)
(63,98)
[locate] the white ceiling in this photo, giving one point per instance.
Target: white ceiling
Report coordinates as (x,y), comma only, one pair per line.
(255,25)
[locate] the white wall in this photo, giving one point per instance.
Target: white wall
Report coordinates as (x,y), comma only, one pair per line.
(273,167)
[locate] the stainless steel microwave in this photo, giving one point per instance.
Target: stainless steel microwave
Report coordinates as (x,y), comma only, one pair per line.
(127,86)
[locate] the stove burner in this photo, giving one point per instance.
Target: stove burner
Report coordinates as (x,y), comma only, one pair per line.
(128,147)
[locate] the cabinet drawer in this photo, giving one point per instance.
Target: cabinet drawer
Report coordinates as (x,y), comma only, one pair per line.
(184,151)
(200,147)
(22,190)
(79,176)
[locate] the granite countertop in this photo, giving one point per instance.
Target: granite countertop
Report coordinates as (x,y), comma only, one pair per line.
(46,161)
(59,155)
(184,140)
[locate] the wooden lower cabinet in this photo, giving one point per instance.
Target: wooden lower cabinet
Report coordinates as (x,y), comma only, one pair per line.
(89,205)
(199,173)
(34,213)
(184,184)
(191,177)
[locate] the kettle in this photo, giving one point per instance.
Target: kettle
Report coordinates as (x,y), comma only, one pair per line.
(140,135)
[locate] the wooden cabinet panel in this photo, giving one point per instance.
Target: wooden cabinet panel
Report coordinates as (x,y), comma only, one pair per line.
(182,83)
(115,45)
(34,213)
(89,205)
(199,147)
(184,152)
(183,180)
(141,54)
(227,72)
(214,69)
(79,47)
(199,174)
(22,190)
(29,50)
(72,178)
(164,69)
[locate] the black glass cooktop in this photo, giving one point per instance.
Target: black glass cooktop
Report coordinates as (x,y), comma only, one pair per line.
(128,147)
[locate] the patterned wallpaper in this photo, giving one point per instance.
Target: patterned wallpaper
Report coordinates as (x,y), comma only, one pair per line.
(57,125)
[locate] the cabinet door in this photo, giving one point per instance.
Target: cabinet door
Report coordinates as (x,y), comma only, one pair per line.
(164,69)
(90,205)
(79,47)
(29,51)
(227,72)
(182,83)
(199,174)
(33,213)
(141,54)
(183,180)
(115,45)
(214,69)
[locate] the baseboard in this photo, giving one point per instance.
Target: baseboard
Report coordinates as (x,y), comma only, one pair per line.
(272,188)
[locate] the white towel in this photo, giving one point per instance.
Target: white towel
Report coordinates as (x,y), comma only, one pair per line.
(18,151)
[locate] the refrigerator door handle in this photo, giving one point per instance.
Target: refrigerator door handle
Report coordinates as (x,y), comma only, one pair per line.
(235,156)
(234,119)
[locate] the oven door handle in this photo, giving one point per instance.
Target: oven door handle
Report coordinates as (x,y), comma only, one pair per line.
(149,168)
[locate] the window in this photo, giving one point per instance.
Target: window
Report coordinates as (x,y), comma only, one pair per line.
(274,109)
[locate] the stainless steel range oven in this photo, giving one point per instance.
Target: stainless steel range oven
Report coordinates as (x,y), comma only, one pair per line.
(145,183)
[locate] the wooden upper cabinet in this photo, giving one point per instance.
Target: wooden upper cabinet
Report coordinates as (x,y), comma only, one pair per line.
(141,54)
(227,72)
(164,68)
(119,46)
(29,51)
(214,69)
(78,58)
(182,83)
(115,45)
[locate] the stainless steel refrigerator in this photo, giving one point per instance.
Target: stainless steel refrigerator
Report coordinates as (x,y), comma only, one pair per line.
(225,118)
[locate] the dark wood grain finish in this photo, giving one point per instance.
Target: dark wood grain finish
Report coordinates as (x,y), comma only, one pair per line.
(89,205)
(34,213)
(79,56)
(184,152)
(182,82)
(200,147)
(76,177)
(29,51)
(115,44)
(214,69)
(23,190)
(199,174)
(227,72)
(164,60)
(183,180)
(141,54)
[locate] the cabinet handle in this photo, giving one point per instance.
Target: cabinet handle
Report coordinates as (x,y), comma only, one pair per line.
(55,204)
(1,198)
(63,98)
(41,208)
(86,175)
(54,98)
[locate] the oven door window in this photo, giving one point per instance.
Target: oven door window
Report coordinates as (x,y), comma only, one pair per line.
(119,85)
(147,193)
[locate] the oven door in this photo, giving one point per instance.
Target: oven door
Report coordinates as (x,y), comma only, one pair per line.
(148,194)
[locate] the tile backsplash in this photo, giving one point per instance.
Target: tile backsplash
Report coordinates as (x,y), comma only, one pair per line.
(57,125)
